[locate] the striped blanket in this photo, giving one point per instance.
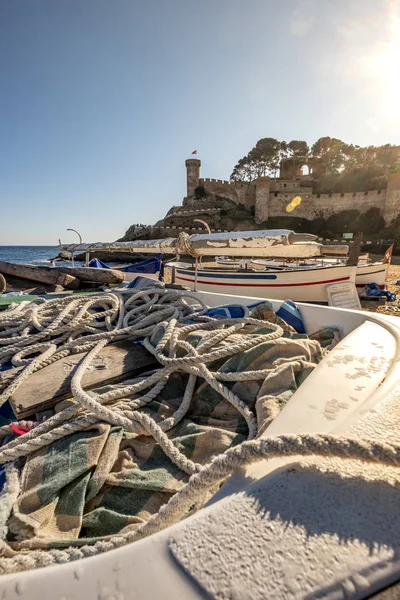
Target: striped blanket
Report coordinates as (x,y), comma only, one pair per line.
(104,480)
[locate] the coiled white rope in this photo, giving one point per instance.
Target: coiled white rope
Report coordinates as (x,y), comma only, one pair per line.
(72,325)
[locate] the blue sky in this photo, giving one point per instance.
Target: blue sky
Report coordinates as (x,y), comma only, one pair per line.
(101,101)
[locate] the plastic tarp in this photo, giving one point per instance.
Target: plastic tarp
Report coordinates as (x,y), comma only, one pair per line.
(373,289)
(98,264)
(150,266)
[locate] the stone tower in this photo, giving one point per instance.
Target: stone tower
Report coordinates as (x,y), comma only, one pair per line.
(262,199)
(290,168)
(192,175)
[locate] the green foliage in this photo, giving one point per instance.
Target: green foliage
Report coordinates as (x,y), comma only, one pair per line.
(372,221)
(336,166)
(351,221)
(298,149)
(345,220)
(265,158)
(200,192)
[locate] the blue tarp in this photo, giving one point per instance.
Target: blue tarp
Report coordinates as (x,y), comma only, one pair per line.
(150,265)
(98,264)
(373,289)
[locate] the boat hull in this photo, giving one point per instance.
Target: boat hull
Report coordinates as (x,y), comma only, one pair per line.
(365,273)
(374,273)
(299,285)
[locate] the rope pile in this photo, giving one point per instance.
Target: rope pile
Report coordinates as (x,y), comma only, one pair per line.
(51,330)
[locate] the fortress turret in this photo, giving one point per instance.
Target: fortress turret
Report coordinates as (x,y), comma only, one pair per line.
(192,175)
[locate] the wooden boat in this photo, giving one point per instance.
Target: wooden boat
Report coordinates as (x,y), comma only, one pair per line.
(375,272)
(307,285)
(367,271)
(287,527)
(300,285)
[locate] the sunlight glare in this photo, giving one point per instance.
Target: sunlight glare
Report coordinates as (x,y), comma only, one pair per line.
(385,68)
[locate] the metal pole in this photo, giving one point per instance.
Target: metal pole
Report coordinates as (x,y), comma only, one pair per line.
(206,225)
(87,255)
(80,241)
(195,273)
(77,233)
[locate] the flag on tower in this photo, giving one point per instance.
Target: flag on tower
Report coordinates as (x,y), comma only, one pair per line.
(194,152)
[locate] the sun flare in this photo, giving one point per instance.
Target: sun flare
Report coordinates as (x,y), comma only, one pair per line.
(385,66)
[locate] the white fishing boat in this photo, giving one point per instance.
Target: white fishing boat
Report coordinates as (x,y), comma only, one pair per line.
(366,272)
(310,509)
(300,285)
(307,285)
(375,272)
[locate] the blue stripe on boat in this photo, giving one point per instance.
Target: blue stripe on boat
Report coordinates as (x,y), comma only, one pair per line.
(226,275)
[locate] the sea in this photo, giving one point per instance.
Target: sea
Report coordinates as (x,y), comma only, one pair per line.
(32,255)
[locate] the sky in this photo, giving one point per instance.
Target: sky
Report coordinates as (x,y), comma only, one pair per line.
(101,101)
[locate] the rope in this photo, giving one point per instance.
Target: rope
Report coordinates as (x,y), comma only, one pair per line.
(54,329)
(211,474)
(184,245)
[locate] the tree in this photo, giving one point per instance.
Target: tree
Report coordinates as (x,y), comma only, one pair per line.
(263,159)
(336,166)
(298,149)
(328,155)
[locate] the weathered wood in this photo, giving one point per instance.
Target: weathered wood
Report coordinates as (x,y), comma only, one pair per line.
(3,284)
(52,384)
(43,274)
(93,274)
(6,301)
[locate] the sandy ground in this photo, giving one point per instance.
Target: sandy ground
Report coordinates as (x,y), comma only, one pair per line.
(389,308)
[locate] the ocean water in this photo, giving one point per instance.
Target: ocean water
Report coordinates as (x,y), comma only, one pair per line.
(34,255)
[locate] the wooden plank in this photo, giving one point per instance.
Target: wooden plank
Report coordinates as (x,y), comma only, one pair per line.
(6,301)
(43,274)
(93,274)
(115,363)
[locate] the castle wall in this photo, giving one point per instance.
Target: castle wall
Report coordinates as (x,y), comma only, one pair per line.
(270,197)
(238,192)
(282,185)
(392,205)
(324,205)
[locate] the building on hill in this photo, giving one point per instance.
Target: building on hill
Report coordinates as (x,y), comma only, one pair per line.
(267,202)
(266,197)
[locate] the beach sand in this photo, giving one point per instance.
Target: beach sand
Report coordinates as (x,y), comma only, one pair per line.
(389,308)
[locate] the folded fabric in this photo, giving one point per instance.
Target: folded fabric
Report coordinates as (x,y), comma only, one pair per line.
(102,480)
(373,289)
